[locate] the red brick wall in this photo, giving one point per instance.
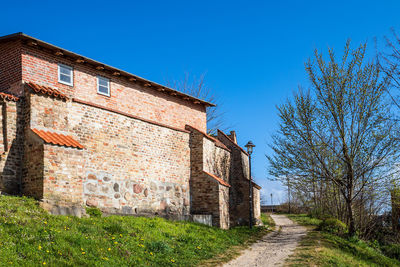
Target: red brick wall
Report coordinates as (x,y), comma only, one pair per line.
(10,64)
(130,97)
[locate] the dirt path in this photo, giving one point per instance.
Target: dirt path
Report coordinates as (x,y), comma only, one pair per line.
(274,248)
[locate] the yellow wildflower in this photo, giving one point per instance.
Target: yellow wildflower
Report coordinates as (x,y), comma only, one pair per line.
(40,247)
(83,252)
(109,249)
(44,263)
(172,260)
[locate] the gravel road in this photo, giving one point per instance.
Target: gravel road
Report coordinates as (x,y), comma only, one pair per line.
(274,248)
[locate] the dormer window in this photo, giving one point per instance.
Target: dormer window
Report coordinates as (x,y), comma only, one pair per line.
(103,86)
(65,74)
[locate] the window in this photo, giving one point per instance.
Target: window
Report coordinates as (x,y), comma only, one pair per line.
(65,74)
(103,86)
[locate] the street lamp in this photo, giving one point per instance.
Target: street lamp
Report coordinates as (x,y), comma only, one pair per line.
(250,147)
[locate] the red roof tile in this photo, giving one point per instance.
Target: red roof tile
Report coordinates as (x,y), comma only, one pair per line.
(57,139)
(46,90)
(220,180)
(215,140)
(5,96)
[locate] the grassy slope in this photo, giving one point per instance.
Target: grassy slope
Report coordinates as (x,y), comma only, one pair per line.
(324,249)
(31,237)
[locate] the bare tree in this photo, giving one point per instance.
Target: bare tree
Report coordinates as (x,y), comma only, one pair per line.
(340,133)
(197,87)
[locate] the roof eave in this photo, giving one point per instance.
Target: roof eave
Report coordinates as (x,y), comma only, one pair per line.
(173,92)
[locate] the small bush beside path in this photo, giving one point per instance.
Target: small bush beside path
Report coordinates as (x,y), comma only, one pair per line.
(325,248)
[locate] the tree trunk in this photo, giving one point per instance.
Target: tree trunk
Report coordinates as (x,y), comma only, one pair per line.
(350,218)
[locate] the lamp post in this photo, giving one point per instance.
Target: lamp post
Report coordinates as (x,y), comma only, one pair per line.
(250,147)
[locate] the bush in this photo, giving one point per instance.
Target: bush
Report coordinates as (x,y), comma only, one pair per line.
(392,251)
(317,213)
(94,212)
(333,226)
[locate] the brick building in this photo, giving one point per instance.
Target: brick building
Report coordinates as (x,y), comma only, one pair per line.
(77,132)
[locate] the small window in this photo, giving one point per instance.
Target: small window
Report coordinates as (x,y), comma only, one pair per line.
(103,86)
(65,74)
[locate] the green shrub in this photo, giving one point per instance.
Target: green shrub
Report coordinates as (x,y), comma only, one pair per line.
(94,212)
(333,226)
(392,251)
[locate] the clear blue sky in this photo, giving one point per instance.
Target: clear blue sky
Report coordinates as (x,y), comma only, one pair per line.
(252,52)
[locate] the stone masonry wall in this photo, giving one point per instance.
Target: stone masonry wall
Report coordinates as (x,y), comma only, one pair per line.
(63,175)
(131,166)
(224,219)
(11,146)
(239,193)
(207,195)
(128,166)
(32,181)
(257,205)
(216,160)
(41,67)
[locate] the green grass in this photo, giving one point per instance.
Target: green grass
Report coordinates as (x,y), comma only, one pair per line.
(324,249)
(29,236)
(267,220)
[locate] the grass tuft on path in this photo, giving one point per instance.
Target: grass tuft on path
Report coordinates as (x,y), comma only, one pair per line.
(324,249)
(29,236)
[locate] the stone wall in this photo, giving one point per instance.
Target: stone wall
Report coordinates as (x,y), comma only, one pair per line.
(11,146)
(216,160)
(132,166)
(257,205)
(208,195)
(239,181)
(224,219)
(130,97)
(128,166)
(32,181)
(63,169)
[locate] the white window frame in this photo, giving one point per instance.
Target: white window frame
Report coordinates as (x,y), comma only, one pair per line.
(98,85)
(72,74)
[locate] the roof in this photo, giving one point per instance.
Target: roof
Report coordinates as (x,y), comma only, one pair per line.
(57,139)
(101,66)
(219,180)
(233,143)
(256,185)
(46,91)
(5,96)
(215,140)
